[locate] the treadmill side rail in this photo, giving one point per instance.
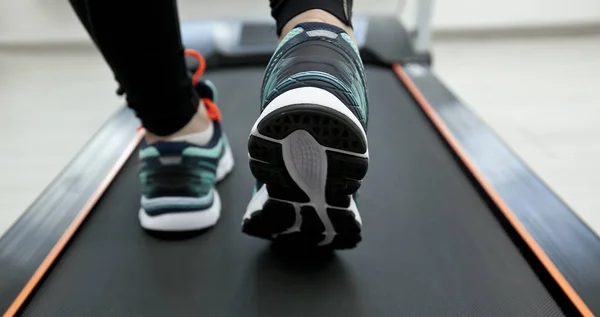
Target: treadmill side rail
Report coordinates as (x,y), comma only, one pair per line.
(571,246)
(28,242)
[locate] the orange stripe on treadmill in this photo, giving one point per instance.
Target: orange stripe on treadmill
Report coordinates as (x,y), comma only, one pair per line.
(533,245)
(71,230)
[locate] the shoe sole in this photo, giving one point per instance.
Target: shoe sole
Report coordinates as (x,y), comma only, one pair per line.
(311,153)
(189,220)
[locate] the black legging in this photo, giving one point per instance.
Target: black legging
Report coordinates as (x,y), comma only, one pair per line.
(141,42)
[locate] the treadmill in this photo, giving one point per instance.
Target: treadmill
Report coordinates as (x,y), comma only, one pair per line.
(454,223)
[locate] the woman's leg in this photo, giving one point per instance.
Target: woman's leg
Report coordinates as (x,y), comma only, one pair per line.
(141,42)
(313,125)
(185,151)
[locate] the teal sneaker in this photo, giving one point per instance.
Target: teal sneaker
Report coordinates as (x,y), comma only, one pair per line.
(178,178)
(308,149)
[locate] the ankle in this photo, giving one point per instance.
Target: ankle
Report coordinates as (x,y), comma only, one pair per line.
(316,15)
(200,122)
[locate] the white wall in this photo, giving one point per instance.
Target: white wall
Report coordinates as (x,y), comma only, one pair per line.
(473,14)
(50,20)
(53,20)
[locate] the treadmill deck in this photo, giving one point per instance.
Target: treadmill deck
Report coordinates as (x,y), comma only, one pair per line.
(431,245)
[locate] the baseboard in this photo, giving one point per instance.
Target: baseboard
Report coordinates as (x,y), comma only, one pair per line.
(47,46)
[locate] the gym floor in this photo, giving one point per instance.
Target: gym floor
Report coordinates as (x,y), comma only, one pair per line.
(540,95)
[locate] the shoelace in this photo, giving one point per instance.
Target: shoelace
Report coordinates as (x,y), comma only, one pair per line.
(213,111)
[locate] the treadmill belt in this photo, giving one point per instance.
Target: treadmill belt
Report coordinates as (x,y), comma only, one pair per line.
(431,245)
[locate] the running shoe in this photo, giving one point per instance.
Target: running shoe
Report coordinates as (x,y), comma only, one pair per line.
(308,149)
(178,177)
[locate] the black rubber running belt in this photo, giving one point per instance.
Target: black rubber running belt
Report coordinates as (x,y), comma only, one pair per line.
(431,245)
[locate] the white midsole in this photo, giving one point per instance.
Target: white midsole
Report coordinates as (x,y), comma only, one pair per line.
(183,221)
(313,96)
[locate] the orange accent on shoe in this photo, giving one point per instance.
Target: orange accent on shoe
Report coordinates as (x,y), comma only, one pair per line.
(213,111)
(201,64)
